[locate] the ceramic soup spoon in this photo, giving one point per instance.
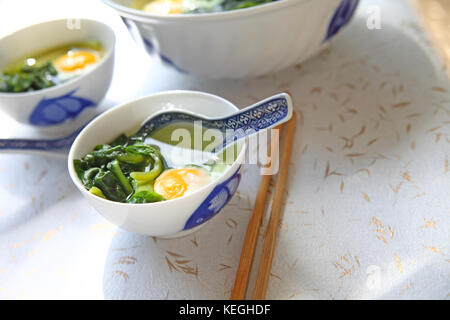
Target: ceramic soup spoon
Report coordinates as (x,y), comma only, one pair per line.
(262,115)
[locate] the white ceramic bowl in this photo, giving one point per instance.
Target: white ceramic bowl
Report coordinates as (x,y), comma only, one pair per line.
(173,218)
(239,43)
(70,104)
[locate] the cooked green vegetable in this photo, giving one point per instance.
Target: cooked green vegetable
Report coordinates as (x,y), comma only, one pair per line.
(241,4)
(114,167)
(201,6)
(145,196)
(110,186)
(98,192)
(122,171)
(28,79)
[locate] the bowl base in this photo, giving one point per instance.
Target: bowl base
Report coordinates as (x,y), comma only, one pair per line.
(183,233)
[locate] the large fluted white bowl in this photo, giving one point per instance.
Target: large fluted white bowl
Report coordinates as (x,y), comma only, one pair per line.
(239,43)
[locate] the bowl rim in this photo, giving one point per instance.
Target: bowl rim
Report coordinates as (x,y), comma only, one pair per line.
(239,159)
(108,54)
(146,16)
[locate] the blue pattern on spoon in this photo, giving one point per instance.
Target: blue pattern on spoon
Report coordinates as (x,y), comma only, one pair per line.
(263,115)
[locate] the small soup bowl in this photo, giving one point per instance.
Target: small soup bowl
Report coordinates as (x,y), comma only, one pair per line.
(68,105)
(167,219)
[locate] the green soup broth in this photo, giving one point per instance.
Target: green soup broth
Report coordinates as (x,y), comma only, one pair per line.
(37,70)
(186,143)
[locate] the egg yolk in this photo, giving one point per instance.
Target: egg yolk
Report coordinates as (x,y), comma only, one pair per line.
(174,183)
(75,60)
(165,6)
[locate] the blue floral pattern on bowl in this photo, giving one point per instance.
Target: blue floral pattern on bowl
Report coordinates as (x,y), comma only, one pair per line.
(341,17)
(149,46)
(58,110)
(216,200)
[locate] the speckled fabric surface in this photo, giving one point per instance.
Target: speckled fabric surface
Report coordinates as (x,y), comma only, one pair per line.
(366,215)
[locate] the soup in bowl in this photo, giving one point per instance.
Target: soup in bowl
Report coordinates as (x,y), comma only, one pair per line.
(54,74)
(153,184)
(193,6)
(233,38)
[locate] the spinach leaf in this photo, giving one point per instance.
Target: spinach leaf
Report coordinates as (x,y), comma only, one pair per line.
(123,170)
(110,186)
(241,4)
(202,6)
(28,78)
(114,166)
(98,192)
(145,196)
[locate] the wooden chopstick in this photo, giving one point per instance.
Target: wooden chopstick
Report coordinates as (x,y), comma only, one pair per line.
(251,236)
(435,16)
(271,232)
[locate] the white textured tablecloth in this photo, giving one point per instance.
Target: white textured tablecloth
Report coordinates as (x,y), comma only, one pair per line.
(366,215)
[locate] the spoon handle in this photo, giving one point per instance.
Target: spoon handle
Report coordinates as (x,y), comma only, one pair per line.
(37,144)
(263,115)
